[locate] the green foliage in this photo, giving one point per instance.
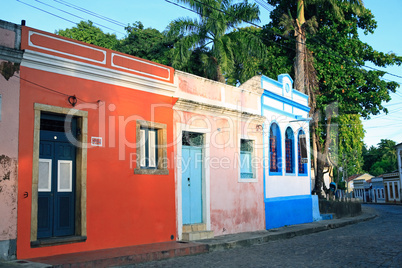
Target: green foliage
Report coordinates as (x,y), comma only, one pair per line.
(338,56)
(382,159)
(341,185)
(248,61)
(88,33)
(209,36)
(347,143)
(341,79)
(334,57)
(148,43)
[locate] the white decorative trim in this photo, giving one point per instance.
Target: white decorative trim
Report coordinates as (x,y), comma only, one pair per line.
(143,62)
(217,103)
(206,195)
(69,42)
(240,88)
(204,108)
(59,65)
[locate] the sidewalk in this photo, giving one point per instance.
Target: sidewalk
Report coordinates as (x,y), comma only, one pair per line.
(159,251)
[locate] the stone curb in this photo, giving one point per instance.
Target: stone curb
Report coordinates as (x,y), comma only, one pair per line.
(210,245)
(284,234)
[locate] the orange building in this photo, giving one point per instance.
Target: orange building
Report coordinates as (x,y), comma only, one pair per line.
(94,170)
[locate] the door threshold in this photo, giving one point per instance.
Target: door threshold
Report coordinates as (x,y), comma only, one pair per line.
(53,241)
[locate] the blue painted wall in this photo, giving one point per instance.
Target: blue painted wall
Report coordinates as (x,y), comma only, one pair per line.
(288,211)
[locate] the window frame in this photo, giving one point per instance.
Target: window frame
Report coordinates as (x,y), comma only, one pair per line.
(278,157)
(292,153)
(253,156)
(161,149)
(146,148)
(299,154)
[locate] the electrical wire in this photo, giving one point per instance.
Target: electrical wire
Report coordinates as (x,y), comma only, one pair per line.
(73,22)
(50,89)
(91,13)
(76,16)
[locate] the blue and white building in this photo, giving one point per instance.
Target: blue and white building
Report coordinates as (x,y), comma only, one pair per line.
(287,189)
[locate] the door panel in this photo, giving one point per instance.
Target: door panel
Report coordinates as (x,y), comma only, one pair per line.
(45,214)
(45,195)
(64,192)
(192,184)
(196,185)
(185,179)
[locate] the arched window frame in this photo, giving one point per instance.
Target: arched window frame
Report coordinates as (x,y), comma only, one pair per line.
(301,167)
(275,150)
(289,151)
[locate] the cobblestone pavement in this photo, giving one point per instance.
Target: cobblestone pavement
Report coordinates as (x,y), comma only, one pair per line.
(375,243)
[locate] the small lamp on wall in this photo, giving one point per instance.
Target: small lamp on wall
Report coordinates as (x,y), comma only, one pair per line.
(72,100)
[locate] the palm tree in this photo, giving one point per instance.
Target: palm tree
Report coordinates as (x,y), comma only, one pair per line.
(387,147)
(208,36)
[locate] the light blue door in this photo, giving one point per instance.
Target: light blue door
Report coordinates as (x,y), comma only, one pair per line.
(192,184)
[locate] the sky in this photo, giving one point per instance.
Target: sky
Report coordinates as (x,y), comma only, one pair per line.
(112,16)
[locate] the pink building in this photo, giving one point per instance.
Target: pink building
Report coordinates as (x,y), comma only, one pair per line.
(219,148)
(10,58)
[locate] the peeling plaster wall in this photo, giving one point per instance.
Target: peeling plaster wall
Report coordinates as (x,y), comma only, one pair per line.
(10,56)
(9,91)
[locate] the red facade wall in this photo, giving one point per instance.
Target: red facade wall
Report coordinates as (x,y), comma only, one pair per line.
(122,208)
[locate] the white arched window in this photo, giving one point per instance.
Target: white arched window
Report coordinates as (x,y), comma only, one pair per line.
(275,152)
(289,150)
(302,153)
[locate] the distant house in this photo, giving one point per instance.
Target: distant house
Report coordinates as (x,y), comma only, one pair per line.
(392,187)
(350,181)
(377,190)
(381,189)
(399,156)
(358,189)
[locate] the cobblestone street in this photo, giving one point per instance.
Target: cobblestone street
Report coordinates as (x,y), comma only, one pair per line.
(374,243)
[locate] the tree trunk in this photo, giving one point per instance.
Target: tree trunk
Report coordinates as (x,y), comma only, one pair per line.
(300,48)
(319,177)
(322,153)
(219,75)
(299,70)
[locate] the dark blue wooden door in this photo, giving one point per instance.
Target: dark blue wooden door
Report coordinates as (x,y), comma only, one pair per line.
(56,183)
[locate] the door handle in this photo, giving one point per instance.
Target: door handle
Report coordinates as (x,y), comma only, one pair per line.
(188,179)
